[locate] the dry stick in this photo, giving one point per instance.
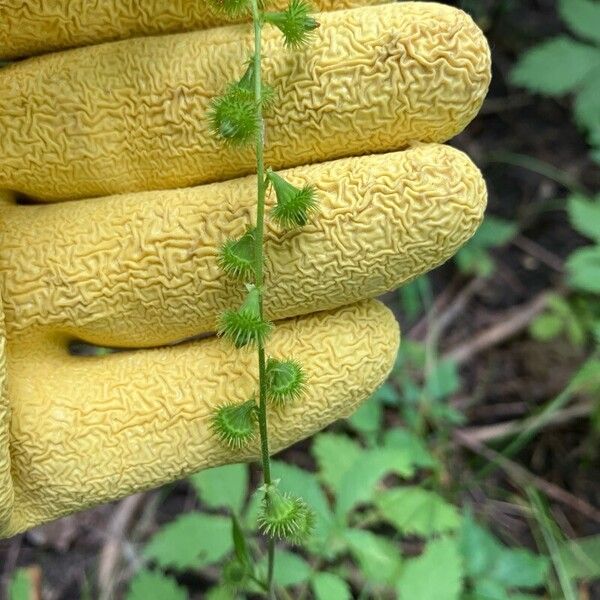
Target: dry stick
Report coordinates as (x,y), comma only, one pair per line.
(111,551)
(488,433)
(522,476)
(511,323)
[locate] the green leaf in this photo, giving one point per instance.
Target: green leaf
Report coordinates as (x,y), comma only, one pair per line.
(239,541)
(556,66)
(20,587)
(334,454)
(486,558)
(387,394)
(379,559)
(191,541)
(587,105)
(359,482)
(153,585)
(584,214)
(582,557)
(411,445)
(583,268)
(328,586)
(546,327)
(410,297)
(443,381)
(413,510)
(221,592)
(474,260)
(435,575)
(290,569)
(222,487)
(367,419)
(494,232)
(485,589)
(582,17)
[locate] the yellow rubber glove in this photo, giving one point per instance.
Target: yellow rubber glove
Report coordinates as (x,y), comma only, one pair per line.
(137,268)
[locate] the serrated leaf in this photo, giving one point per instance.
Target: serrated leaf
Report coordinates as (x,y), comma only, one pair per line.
(582,557)
(485,558)
(582,17)
(379,559)
(334,454)
(583,268)
(413,510)
(587,104)
(223,486)
(413,446)
(290,569)
(442,381)
(239,541)
(494,232)
(153,585)
(546,327)
(327,586)
(367,419)
(435,575)
(191,541)
(556,66)
(359,483)
(584,213)
(520,568)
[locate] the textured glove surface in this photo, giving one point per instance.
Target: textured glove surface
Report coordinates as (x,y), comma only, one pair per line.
(118,250)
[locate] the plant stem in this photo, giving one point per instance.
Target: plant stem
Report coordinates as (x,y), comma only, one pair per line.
(258,267)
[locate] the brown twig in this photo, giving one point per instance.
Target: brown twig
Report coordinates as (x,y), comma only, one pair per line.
(509,324)
(111,550)
(522,476)
(501,430)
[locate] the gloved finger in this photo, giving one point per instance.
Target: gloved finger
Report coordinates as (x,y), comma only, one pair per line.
(142,269)
(133,115)
(89,430)
(37,26)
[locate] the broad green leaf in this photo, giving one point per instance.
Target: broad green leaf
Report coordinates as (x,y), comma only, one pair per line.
(20,587)
(413,446)
(153,585)
(223,486)
(191,541)
(443,381)
(556,66)
(290,569)
(413,510)
(359,482)
(582,17)
(486,589)
(546,327)
(334,454)
(584,213)
(583,267)
(387,394)
(327,586)
(582,557)
(486,558)
(367,419)
(435,575)
(493,233)
(221,592)
(379,559)
(410,296)
(587,104)
(474,260)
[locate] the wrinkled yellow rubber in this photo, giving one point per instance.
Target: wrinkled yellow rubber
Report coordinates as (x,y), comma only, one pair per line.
(85,431)
(139,269)
(34,26)
(132,115)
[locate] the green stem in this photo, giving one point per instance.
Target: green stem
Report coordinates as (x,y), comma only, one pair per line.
(258,267)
